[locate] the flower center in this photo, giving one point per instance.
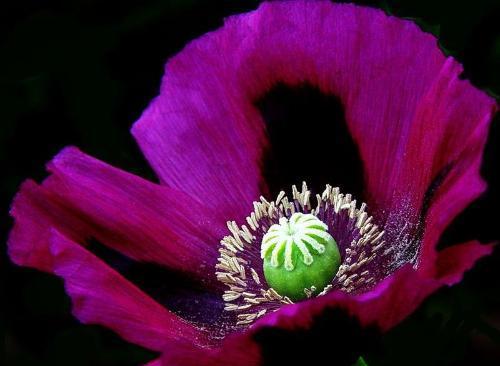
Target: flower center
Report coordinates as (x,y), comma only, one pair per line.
(300,256)
(288,252)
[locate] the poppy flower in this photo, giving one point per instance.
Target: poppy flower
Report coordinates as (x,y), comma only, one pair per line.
(420,130)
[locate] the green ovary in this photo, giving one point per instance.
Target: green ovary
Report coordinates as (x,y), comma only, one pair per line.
(299,254)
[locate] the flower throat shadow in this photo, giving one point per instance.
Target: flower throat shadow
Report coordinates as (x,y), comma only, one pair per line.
(308,141)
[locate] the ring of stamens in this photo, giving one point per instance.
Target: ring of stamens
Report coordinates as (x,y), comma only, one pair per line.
(239,263)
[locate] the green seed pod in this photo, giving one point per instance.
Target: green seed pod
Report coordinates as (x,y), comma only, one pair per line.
(300,256)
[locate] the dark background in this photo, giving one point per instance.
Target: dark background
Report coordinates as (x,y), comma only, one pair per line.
(81,72)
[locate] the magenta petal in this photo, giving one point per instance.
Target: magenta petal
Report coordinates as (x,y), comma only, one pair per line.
(102,296)
(385,305)
(461,186)
(405,105)
(238,349)
(448,128)
(156,362)
(453,261)
(85,198)
(193,137)
(443,157)
(414,120)
(390,301)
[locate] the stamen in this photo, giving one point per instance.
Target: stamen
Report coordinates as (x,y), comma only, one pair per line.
(292,236)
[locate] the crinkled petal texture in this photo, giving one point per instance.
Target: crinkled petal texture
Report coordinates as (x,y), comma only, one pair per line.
(414,120)
(102,296)
(86,199)
(420,130)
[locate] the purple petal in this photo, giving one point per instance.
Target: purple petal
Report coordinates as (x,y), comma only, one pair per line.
(102,296)
(194,139)
(238,349)
(85,198)
(386,305)
(405,105)
(453,261)
(156,362)
(389,302)
(462,185)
